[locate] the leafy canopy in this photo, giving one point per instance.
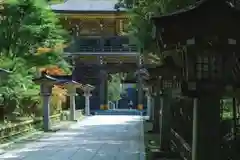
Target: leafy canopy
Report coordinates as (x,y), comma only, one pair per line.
(141,26)
(26,26)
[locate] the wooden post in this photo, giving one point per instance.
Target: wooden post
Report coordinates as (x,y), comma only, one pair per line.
(140,92)
(234,118)
(106,90)
(103,90)
(206,127)
(161,119)
(157,103)
(140,84)
(194,132)
(165,118)
(152,108)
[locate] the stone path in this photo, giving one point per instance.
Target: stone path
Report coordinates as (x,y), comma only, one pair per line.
(94,138)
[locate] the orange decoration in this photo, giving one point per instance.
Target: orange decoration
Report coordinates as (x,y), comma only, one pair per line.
(54,70)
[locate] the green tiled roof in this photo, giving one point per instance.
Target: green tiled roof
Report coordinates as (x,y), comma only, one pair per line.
(86,6)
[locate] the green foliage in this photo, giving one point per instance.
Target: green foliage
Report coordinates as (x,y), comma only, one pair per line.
(18,86)
(27,25)
(141,26)
(30,24)
(114,90)
(227,106)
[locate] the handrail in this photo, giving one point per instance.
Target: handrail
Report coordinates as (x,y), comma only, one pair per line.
(181,145)
(84,48)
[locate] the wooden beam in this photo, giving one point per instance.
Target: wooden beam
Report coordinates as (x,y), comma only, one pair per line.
(93,16)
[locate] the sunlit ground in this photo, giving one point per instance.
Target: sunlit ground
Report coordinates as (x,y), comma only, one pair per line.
(95,138)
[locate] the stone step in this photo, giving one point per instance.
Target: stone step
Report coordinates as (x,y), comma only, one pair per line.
(119,112)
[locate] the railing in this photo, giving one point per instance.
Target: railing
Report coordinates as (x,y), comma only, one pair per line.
(11,130)
(74,48)
(181,127)
(178,144)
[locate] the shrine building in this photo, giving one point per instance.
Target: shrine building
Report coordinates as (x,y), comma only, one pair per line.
(99,44)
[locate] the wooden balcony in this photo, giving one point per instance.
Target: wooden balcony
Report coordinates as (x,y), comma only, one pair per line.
(78,49)
(103,50)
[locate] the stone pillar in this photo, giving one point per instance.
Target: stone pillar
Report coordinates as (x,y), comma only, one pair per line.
(72,108)
(46,92)
(121,26)
(103,90)
(206,127)
(72,94)
(87,96)
(165,118)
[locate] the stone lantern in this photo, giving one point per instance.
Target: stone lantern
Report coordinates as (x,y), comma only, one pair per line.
(87,94)
(203,70)
(141,74)
(46,83)
(71,87)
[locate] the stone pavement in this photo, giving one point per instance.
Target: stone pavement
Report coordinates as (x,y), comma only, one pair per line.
(94,138)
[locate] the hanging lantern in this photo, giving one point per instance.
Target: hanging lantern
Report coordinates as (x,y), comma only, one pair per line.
(202,64)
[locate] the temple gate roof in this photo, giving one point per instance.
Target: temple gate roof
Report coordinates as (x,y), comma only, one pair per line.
(86,6)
